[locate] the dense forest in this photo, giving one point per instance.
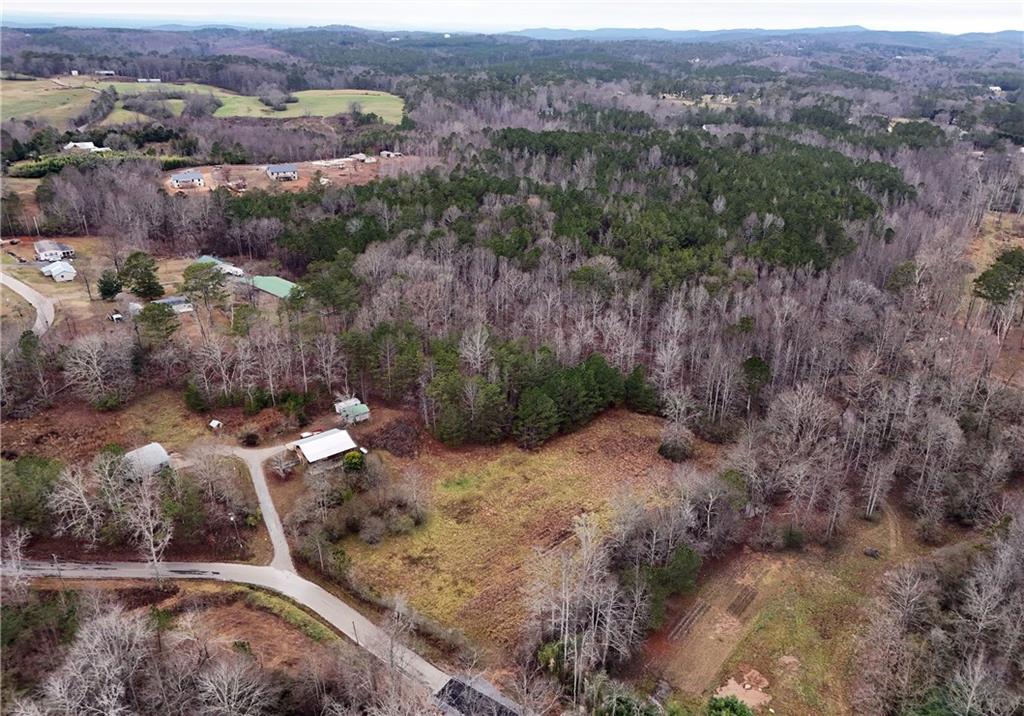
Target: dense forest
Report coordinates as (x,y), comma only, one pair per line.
(766,244)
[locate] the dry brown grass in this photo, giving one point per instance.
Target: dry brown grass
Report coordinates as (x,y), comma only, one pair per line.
(492,508)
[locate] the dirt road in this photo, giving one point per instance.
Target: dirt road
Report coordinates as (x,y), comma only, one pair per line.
(44,306)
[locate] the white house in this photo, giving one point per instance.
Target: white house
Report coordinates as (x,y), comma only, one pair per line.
(59,271)
(179,304)
(83,147)
(283,172)
(187,178)
(105,73)
(321,446)
(386,154)
(47,250)
(359,157)
(148,458)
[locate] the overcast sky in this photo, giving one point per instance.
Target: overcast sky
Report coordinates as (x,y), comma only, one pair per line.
(501,15)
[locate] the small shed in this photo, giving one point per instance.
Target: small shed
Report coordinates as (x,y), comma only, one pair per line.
(322,446)
(283,172)
(148,458)
(47,250)
(59,271)
(352,410)
(187,178)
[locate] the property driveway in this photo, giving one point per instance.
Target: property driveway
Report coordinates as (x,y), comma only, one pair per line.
(254,459)
(44,306)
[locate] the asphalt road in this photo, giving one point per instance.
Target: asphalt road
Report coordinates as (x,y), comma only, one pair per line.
(44,306)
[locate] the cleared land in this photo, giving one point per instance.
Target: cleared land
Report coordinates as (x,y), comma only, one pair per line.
(313,103)
(492,508)
(42,99)
(16,316)
(792,617)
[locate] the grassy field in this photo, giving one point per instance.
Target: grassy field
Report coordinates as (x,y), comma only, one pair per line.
(314,103)
(492,507)
(44,99)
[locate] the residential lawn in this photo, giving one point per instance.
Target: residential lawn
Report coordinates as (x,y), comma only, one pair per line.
(492,508)
(21,99)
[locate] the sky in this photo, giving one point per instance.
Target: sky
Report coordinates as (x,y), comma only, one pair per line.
(949,16)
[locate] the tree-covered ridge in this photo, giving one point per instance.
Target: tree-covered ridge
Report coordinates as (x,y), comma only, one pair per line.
(665,205)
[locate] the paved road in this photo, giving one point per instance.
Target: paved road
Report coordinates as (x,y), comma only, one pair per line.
(44,306)
(331,609)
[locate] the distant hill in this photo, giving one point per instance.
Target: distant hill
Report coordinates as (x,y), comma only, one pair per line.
(846,33)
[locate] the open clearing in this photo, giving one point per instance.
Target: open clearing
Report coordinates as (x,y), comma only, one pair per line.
(492,508)
(791,616)
(63,98)
(312,103)
(42,99)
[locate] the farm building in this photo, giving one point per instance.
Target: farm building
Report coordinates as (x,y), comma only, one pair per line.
(283,172)
(352,410)
(148,458)
(59,271)
(179,304)
(47,250)
(186,178)
(224,266)
(83,147)
(321,446)
(389,155)
(274,285)
(359,157)
(105,73)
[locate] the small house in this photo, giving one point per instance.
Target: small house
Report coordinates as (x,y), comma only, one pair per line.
(148,459)
(74,73)
(188,178)
(179,304)
(83,147)
(51,251)
(59,271)
(352,410)
(283,172)
(328,444)
(387,154)
(105,73)
(358,156)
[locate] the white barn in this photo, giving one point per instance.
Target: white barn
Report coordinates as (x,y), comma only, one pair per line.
(321,446)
